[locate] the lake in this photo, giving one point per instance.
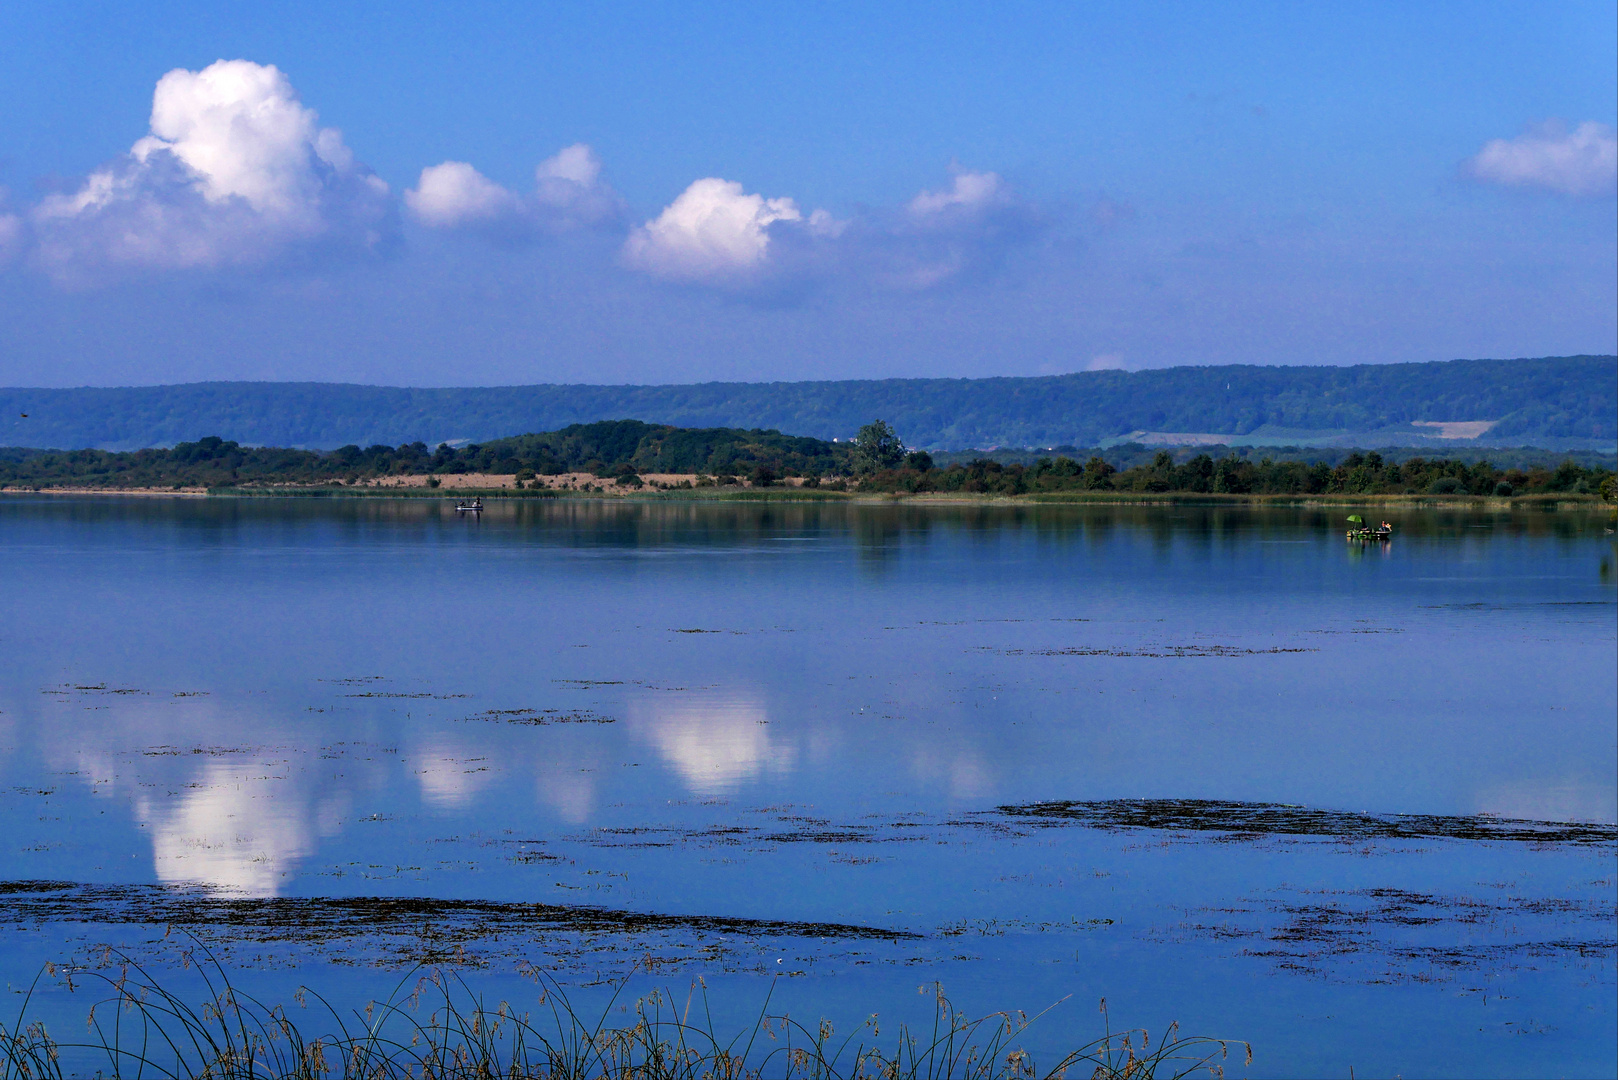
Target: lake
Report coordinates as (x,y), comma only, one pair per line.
(1354,805)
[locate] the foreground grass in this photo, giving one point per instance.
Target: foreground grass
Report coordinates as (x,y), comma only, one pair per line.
(440,1029)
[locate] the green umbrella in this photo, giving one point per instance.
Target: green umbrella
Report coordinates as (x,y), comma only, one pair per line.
(1356,519)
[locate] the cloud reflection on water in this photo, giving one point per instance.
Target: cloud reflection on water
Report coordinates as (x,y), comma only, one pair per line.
(233,831)
(1572,798)
(570,794)
(450,776)
(220,811)
(715,741)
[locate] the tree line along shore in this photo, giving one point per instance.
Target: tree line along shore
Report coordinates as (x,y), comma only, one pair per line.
(633,457)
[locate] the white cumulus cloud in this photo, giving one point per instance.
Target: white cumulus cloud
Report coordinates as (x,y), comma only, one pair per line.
(236,171)
(568,193)
(714,231)
(1582,162)
(455,194)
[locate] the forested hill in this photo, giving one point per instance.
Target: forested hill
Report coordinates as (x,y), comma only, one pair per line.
(1553,401)
(607,448)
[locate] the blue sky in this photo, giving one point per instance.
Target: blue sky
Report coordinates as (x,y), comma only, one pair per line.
(672,193)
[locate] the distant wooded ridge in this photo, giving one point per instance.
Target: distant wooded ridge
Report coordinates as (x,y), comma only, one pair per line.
(1556,402)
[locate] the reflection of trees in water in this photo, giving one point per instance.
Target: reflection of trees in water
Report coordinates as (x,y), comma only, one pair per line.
(878,536)
(877,530)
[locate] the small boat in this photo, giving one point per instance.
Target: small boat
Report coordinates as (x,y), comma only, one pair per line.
(1358,530)
(473,507)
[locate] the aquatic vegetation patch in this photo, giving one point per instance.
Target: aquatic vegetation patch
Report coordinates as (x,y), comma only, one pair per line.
(809,831)
(1161,651)
(385,694)
(166,750)
(70,689)
(1245,820)
(442,922)
(1387,935)
(539,717)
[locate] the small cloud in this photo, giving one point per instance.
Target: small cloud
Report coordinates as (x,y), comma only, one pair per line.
(1581,162)
(713,232)
(1106,362)
(822,224)
(454,194)
(971,194)
(568,193)
(942,236)
(235,172)
(576,164)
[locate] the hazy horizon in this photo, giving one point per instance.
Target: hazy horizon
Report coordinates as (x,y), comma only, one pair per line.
(742,382)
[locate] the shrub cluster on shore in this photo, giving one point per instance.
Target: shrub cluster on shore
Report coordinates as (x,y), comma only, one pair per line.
(1358,474)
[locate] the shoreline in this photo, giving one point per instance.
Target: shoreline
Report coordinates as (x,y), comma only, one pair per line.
(1558,501)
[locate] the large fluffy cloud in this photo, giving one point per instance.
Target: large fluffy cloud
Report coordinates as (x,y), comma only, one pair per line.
(1581,162)
(236,171)
(568,193)
(715,232)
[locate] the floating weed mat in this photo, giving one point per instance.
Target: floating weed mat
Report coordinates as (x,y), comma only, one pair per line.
(1386,935)
(435,1027)
(1158,651)
(406,931)
(1244,820)
(540,717)
(812,831)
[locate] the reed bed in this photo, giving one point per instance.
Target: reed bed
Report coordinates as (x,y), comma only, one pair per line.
(436,1027)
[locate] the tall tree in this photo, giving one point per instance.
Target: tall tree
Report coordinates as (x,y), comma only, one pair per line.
(877,447)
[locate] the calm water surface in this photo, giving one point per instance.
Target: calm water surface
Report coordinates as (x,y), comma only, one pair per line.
(841,716)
